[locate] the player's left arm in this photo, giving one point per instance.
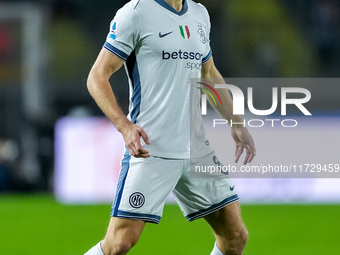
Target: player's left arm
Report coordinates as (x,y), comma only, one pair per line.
(240,133)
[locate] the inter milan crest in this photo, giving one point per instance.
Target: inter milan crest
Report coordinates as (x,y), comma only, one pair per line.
(201,34)
(137,200)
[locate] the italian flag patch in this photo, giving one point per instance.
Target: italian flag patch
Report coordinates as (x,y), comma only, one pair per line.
(185,32)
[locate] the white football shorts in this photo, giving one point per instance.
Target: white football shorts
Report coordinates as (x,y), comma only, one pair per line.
(145,183)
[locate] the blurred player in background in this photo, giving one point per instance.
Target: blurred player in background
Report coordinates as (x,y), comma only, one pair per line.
(164,44)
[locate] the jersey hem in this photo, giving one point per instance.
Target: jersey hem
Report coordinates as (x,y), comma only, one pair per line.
(117,52)
(207,57)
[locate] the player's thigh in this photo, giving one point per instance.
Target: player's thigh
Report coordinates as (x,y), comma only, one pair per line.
(122,232)
(227,221)
(143,187)
(200,194)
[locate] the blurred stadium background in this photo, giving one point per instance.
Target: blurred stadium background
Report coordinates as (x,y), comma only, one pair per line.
(59,158)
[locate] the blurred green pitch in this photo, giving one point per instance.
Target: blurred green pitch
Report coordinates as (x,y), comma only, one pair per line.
(39,225)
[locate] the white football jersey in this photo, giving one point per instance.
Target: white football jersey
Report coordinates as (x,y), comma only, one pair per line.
(163,49)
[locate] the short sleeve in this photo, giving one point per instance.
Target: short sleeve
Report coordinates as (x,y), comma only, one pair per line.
(124,32)
(206,35)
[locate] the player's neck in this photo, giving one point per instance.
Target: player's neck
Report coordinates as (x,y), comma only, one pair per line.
(176,4)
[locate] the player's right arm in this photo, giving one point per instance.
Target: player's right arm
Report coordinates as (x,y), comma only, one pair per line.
(100,89)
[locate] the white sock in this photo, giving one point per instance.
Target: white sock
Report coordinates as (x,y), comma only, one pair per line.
(95,250)
(216,251)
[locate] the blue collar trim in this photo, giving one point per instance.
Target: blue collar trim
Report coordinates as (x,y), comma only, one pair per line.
(170,8)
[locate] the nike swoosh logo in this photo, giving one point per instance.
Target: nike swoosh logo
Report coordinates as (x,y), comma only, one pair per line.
(163,35)
(232,188)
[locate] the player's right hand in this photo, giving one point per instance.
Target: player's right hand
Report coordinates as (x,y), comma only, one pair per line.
(132,134)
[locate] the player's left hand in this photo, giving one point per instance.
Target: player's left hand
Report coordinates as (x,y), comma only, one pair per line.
(243,140)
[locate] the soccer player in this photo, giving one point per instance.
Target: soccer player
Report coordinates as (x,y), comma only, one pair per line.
(163,45)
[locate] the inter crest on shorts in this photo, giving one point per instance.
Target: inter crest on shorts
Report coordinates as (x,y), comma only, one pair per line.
(137,200)
(184,32)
